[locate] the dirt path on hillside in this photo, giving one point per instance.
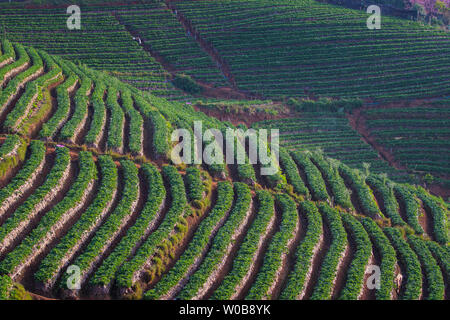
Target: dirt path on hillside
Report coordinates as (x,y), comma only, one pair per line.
(209,90)
(206,46)
(241,117)
(357,122)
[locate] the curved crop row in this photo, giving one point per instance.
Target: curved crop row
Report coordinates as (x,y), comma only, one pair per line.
(98,120)
(130,271)
(305,253)
(365,196)
(290,169)
(222,241)
(436,208)
(73,126)
(16,83)
(23,60)
(37,201)
(245,170)
(106,273)
(331,175)
(61,254)
(355,274)
(442,258)
(328,270)
(273,258)
(136,134)
(199,244)
(104,236)
(411,205)
(244,259)
(50,128)
(33,90)
(12,158)
(194,183)
(53,220)
(7,53)
(313,176)
(116,121)
(388,259)
(413,286)
(386,191)
(435,281)
(21,182)
(9,145)
(160,130)
(12,151)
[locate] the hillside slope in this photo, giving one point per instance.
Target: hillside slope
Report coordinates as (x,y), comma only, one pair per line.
(96,190)
(300,48)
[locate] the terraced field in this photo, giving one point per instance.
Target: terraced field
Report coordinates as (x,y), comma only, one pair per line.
(160,30)
(300,48)
(102,43)
(332,133)
(416,136)
(91,187)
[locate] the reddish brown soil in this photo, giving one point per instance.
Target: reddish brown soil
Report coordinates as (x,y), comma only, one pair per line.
(79,139)
(223,92)
(239,118)
(112,208)
(36,127)
(229,258)
(357,121)
(317,262)
(37,183)
(426,221)
(369,294)
(341,275)
(193,223)
(439,191)
(288,267)
(104,139)
(353,196)
(398,293)
(401,206)
(38,297)
(142,197)
(260,258)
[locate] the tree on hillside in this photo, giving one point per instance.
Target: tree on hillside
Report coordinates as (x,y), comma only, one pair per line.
(443,11)
(420,9)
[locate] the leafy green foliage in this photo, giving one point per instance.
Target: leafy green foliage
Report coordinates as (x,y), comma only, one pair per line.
(245,256)
(356,271)
(328,269)
(51,264)
(277,247)
(413,286)
(388,258)
(304,253)
(128,270)
(198,244)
